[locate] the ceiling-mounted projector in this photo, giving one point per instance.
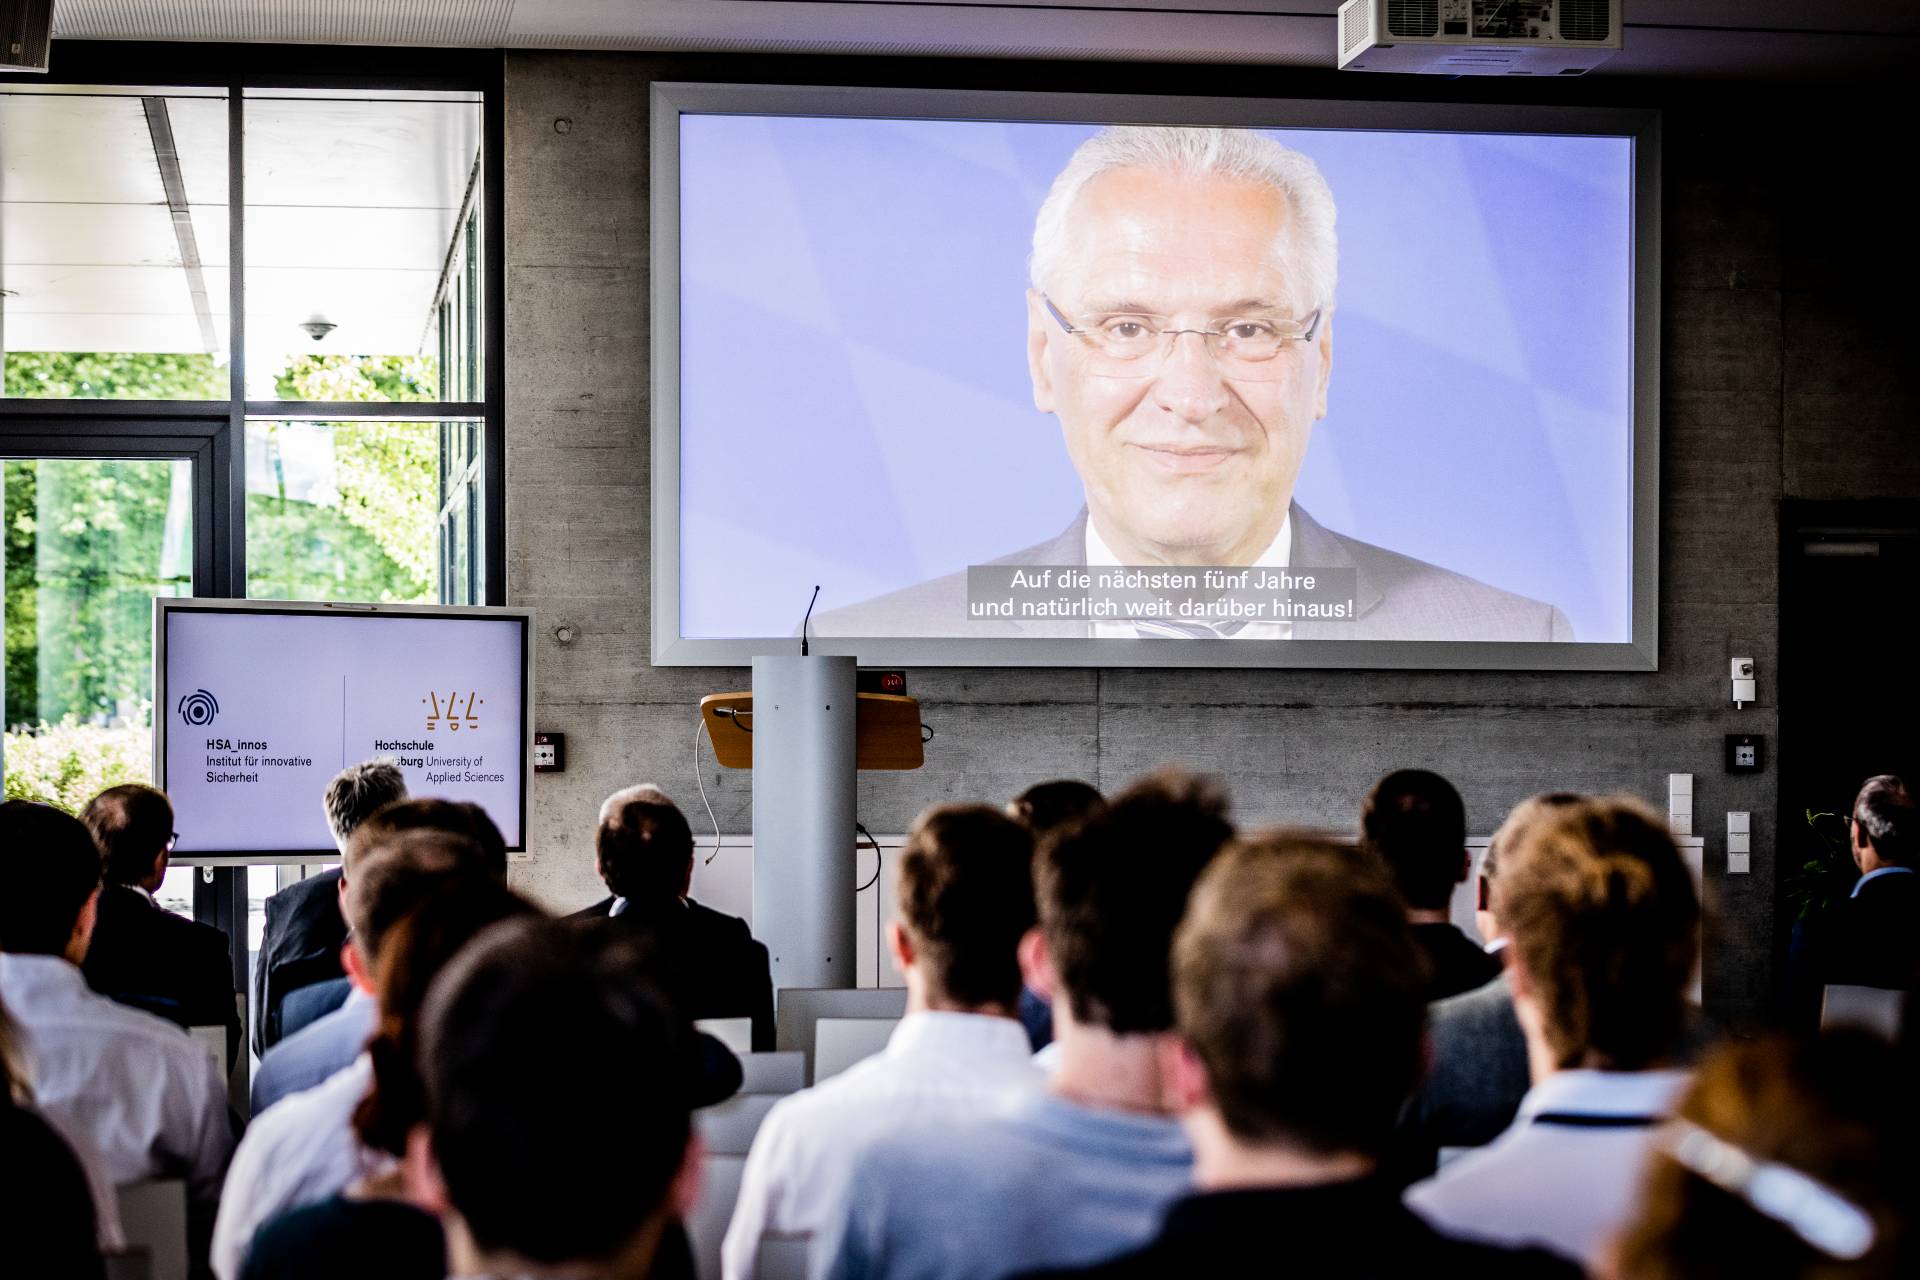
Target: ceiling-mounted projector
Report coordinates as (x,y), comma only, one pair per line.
(26,34)
(1478,37)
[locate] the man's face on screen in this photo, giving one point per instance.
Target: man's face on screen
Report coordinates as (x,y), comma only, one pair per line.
(1182,462)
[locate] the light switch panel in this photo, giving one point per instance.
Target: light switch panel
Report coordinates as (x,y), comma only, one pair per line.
(1740,842)
(1738,822)
(1739,864)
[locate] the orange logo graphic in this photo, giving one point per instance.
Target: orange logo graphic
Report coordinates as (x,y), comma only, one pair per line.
(453,710)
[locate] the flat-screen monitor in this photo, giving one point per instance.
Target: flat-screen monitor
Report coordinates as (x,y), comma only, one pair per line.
(1135,381)
(259,703)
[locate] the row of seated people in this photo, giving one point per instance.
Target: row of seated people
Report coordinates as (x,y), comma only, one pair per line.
(1237,1063)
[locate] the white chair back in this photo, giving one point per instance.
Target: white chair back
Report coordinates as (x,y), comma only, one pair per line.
(727,1128)
(735,1033)
(707,1224)
(1877,1009)
(153,1217)
(840,1042)
(798,1008)
(773,1072)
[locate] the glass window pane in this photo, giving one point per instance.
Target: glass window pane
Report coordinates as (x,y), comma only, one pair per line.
(113,243)
(345,511)
(357,208)
(89,543)
(175,893)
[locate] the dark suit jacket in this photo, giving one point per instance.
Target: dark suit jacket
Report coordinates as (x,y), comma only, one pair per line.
(299,945)
(1396,598)
(1457,962)
(146,956)
(1873,938)
(707,962)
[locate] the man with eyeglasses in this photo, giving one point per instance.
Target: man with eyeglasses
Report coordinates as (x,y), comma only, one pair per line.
(143,954)
(1870,938)
(1180,327)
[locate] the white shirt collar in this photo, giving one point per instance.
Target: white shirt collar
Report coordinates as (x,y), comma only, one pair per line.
(1278,555)
(959,1035)
(1605,1093)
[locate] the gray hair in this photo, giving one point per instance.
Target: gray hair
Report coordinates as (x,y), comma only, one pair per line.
(357,791)
(1308,243)
(1886,812)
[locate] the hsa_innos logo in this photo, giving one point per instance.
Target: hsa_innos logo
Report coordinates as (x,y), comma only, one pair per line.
(199,707)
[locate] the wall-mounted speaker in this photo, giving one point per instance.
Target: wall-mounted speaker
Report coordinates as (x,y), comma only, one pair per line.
(26,34)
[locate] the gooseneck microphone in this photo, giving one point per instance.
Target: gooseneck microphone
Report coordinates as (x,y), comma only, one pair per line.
(804,620)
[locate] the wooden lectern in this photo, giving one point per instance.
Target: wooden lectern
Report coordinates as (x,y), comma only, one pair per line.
(886,730)
(806,733)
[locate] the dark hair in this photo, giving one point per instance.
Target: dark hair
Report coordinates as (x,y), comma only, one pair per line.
(543,1052)
(131,823)
(1885,811)
(1299,985)
(455,817)
(644,847)
(966,898)
(357,792)
(1812,1105)
(456,909)
(1111,890)
(395,872)
(1415,821)
(50,866)
(1047,805)
(1606,925)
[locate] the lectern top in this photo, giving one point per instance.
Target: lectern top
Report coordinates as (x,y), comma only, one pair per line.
(886,725)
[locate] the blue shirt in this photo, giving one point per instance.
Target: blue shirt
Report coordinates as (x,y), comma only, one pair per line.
(316,1052)
(1875,874)
(1042,1182)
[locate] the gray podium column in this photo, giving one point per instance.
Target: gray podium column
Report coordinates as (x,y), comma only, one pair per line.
(803,815)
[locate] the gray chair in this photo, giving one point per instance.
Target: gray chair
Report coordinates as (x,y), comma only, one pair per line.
(727,1128)
(773,1072)
(153,1217)
(798,1008)
(735,1033)
(1877,1009)
(838,1043)
(784,1257)
(707,1224)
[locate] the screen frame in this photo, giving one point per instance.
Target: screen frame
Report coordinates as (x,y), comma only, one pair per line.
(164,606)
(671,99)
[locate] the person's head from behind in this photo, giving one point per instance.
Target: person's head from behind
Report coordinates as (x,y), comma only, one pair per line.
(393,872)
(1048,806)
(1111,891)
(1179,325)
(357,792)
(430,813)
(1782,1165)
(1417,823)
(1300,999)
(133,825)
(557,1137)
(643,847)
(965,900)
(1486,915)
(50,869)
(1884,825)
(457,907)
(1605,925)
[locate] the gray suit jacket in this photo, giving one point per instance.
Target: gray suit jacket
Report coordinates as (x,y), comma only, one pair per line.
(1397,598)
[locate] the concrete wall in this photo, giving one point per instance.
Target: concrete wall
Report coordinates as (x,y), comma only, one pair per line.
(1771,347)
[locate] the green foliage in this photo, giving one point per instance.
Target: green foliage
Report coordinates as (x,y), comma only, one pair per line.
(1827,872)
(70,375)
(69,763)
(359,378)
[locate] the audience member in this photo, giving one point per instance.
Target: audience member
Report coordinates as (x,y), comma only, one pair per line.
(47,1215)
(1085,1169)
(1872,937)
(301,938)
(1041,809)
(558,1088)
(1300,992)
(965,886)
(1417,823)
(1784,1163)
(134,1088)
(143,954)
(304,1149)
(1477,1054)
(1605,924)
(327,1045)
(706,962)
(368,1226)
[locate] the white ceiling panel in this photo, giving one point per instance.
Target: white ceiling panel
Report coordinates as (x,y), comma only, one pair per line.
(379,312)
(41,136)
(359,152)
(94,331)
(95,290)
(68,234)
(306,236)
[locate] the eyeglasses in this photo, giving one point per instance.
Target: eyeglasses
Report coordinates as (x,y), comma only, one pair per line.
(173,839)
(1128,346)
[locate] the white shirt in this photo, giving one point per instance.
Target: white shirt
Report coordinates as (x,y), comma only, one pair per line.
(301,1149)
(942,1066)
(134,1088)
(1278,555)
(1551,1180)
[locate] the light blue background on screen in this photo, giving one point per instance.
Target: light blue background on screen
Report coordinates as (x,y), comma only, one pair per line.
(855,404)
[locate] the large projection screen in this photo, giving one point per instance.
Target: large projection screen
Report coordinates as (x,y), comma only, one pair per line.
(259,703)
(1091,380)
